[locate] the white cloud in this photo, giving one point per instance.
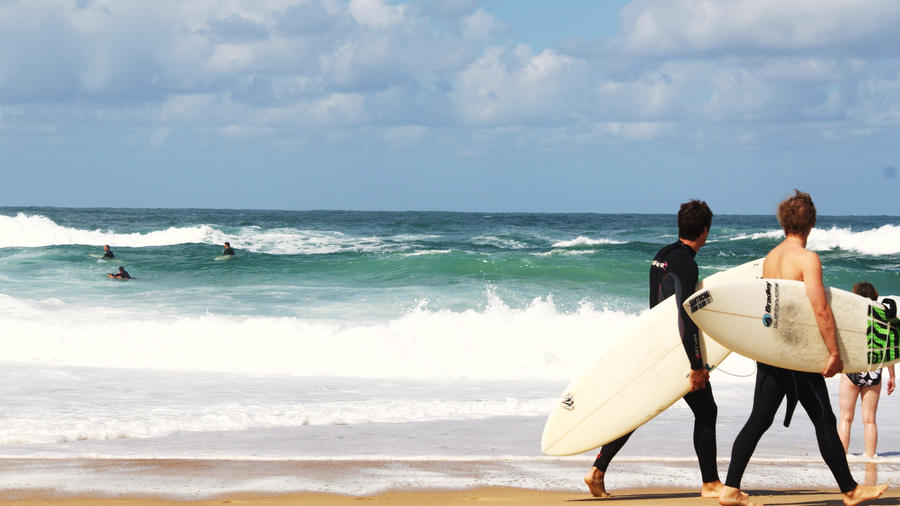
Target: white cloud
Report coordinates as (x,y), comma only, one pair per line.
(375,13)
(478,25)
(684,26)
(506,86)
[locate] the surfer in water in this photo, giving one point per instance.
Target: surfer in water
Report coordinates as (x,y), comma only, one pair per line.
(228,251)
(674,272)
(791,260)
(122,274)
(107,253)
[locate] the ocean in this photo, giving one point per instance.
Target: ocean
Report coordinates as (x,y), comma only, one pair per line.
(427,346)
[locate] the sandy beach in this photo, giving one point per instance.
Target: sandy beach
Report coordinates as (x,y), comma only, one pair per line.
(491,495)
(77,482)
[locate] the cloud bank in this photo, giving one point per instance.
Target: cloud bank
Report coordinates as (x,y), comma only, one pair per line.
(445,72)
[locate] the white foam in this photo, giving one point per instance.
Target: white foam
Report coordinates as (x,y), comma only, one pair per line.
(497,342)
(33,231)
(26,231)
(582,241)
(498,242)
(884,240)
(769,234)
(119,418)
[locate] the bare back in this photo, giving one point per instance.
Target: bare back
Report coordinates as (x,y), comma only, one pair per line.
(791,260)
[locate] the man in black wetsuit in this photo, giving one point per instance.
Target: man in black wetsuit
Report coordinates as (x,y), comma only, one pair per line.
(674,272)
(228,250)
(122,274)
(107,253)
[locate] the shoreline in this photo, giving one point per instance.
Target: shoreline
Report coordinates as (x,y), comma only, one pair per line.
(493,495)
(83,481)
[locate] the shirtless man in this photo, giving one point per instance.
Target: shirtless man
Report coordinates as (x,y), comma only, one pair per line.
(791,260)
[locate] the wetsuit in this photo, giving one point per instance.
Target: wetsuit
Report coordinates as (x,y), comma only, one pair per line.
(674,272)
(772,385)
(109,254)
(228,251)
(123,274)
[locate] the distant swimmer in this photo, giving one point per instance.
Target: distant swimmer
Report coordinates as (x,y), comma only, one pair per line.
(228,250)
(107,253)
(122,274)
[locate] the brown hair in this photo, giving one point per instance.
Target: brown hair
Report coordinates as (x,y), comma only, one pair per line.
(797,213)
(865,289)
(693,217)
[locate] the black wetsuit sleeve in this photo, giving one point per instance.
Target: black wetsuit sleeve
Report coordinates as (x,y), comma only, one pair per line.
(683,268)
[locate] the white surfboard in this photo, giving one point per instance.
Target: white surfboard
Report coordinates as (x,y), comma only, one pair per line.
(772,321)
(643,372)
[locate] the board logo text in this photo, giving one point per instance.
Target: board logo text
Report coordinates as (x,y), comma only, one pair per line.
(770,314)
(700,301)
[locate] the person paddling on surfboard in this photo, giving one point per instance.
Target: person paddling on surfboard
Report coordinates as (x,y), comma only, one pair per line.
(674,272)
(791,260)
(122,274)
(228,251)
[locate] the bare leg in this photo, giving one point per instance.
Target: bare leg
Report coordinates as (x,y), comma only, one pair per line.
(848,394)
(711,489)
(863,493)
(594,481)
(868,407)
(731,496)
(871,473)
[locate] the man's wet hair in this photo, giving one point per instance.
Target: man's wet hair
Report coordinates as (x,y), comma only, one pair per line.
(797,213)
(693,218)
(865,289)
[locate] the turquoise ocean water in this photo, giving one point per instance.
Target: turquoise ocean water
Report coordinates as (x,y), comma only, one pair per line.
(331,334)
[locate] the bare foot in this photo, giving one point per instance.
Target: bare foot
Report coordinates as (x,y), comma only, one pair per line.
(594,481)
(711,489)
(863,493)
(731,496)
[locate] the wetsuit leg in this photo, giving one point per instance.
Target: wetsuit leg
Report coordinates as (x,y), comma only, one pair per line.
(609,451)
(813,396)
(770,389)
(704,407)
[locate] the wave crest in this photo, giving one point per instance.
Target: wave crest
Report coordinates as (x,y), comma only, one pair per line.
(494,343)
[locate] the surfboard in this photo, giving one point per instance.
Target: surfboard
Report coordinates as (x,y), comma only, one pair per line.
(640,374)
(772,321)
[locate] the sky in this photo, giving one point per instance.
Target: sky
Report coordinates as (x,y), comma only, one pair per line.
(601,106)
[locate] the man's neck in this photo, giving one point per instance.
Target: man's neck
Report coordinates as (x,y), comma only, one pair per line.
(799,239)
(694,244)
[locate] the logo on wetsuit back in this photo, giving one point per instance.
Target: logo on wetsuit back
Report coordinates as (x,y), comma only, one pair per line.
(770,317)
(568,401)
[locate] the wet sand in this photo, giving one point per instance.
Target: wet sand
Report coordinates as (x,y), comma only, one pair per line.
(106,482)
(490,495)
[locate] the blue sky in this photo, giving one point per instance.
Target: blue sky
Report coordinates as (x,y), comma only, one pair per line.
(577,106)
